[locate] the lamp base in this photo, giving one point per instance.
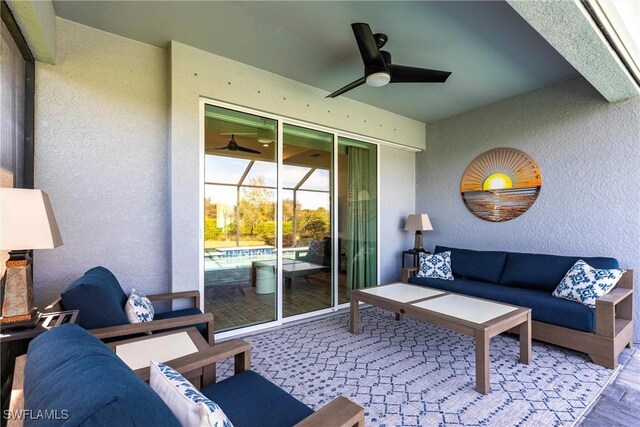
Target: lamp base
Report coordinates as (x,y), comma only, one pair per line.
(418,244)
(18,304)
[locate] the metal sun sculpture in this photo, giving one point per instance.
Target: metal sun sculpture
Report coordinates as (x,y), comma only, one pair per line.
(501,184)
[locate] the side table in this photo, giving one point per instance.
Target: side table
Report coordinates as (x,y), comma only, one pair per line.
(415,255)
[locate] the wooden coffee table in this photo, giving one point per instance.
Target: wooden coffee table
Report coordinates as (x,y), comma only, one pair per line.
(476,317)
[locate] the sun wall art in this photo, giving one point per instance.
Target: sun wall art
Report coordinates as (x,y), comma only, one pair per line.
(501,184)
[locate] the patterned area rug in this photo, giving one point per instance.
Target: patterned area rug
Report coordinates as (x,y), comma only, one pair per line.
(410,373)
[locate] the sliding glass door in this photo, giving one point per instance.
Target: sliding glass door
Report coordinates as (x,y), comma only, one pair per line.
(289,218)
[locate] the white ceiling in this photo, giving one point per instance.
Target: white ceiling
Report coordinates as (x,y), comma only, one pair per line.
(491,51)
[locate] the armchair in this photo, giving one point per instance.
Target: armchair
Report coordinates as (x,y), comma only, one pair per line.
(66,369)
(100,299)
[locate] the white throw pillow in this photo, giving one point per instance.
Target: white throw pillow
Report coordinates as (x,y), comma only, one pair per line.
(585,284)
(139,308)
(436,266)
(186,402)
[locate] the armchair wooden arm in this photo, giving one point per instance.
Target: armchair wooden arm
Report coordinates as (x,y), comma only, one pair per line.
(156,325)
(407,273)
(195,295)
(340,412)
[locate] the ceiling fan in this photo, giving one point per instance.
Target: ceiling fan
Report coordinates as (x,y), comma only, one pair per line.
(378,69)
(233,146)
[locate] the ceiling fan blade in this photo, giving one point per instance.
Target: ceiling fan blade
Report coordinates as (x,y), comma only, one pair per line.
(404,74)
(367,44)
(248,150)
(221,148)
(348,87)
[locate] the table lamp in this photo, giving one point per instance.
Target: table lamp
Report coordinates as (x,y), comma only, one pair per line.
(26,223)
(420,223)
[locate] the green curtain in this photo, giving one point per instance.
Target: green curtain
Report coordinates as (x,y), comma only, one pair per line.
(361,219)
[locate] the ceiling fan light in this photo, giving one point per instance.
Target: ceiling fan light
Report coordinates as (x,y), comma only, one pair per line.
(265,141)
(378,79)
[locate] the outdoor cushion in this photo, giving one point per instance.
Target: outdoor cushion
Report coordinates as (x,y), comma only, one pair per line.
(585,284)
(486,266)
(99,297)
(70,370)
(249,400)
(436,266)
(544,307)
(538,271)
(202,327)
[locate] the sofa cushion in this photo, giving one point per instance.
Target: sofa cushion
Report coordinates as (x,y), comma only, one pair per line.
(544,307)
(186,402)
(585,284)
(485,266)
(266,405)
(99,297)
(544,272)
(69,369)
(437,266)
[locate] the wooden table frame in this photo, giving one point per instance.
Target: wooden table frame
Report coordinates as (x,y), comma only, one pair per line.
(199,376)
(482,332)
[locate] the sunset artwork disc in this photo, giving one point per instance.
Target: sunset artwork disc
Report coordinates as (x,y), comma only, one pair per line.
(501,184)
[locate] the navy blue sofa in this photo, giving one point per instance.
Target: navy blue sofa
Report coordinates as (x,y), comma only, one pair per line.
(79,381)
(100,300)
(528,280)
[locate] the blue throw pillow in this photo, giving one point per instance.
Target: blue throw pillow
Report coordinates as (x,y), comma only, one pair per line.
(436,266)
(585,284)
(99,297)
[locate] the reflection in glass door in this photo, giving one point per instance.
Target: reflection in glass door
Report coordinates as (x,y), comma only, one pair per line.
(357,216)
(240,218)
(307,158)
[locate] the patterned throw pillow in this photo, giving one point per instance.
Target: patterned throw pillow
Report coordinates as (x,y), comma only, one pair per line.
(585,284)
(315,253)
(186,402)
(139,308)
(436,266)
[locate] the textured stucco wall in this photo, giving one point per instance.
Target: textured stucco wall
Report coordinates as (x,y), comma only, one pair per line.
(101,154)
(397,200)
(195,73)
(589,154)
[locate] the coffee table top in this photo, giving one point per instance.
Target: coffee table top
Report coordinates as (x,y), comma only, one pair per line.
(466,308)
(401,292)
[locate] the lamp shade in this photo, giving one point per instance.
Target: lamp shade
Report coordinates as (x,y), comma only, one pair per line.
(418,222)
(27,220)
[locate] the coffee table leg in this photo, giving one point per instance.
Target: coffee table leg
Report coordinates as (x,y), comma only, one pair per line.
(482,362)
(355,316)
(525,340)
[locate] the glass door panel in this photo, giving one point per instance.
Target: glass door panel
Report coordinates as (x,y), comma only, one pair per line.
(240,218)
(357,216)
(307,170)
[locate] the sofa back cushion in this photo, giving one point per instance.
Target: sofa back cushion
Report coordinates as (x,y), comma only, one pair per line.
(545,272)
(485,266)
(74,374)
(99,297)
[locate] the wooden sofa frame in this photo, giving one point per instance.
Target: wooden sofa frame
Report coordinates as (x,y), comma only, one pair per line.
(614,325)
(154,325)
(340,412)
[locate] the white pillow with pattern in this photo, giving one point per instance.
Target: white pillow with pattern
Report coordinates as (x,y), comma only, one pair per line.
(436,266)
(585,284)
(190,407)
(139,308)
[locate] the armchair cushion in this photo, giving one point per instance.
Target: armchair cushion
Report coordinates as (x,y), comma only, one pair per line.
(250,400)
(70,370)
(99,297)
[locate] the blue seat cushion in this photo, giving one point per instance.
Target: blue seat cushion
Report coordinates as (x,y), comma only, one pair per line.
(69,369)
(202,327)
(485,266)
(99,297)
(545,272)
(544,306)
(249,400)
